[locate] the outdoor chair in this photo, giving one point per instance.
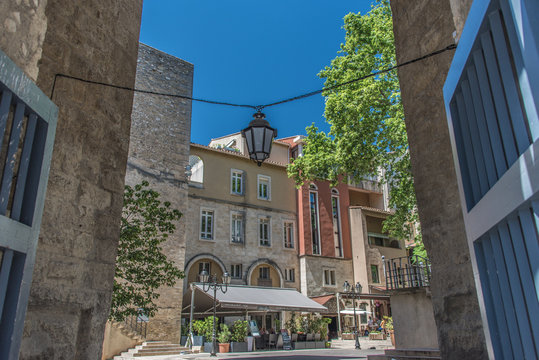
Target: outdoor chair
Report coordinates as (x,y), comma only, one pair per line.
(272,340)
(279,344)
(310,337)
(317,337)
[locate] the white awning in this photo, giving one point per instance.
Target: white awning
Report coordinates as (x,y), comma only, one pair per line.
(254,298)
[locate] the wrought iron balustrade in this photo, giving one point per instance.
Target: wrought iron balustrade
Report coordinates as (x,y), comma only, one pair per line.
(137,323)
(407,272)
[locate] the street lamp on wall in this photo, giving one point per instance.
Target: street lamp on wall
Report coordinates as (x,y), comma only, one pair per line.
(354,292)
(210,282)
(259,137)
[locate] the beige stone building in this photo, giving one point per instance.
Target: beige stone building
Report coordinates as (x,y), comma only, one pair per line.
(241,219)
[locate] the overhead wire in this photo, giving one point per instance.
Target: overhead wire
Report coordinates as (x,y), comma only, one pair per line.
(261,106)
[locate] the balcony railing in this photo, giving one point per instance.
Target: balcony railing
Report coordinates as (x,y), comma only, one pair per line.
(407,272)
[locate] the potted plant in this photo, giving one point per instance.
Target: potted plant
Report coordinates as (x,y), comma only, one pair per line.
(198,329)
(389,327)
(224,338)
(206,329)
(184,334)
(239,333)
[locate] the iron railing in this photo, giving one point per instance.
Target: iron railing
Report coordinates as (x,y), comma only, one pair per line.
(407,272)
(137,324)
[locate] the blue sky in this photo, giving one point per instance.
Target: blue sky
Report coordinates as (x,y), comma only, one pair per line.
(251,52)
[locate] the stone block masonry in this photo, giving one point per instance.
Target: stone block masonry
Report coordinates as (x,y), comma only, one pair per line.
(421,27)
(73,276)
(159,153)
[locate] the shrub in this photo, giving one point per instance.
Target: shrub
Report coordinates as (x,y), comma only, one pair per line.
(239,330)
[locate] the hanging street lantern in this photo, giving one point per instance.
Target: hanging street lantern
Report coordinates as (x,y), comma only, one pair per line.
(259,137)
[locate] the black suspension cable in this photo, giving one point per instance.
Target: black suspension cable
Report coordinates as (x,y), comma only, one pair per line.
(256,107)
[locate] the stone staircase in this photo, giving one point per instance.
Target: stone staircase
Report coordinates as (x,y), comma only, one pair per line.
(407,354)
(153,348)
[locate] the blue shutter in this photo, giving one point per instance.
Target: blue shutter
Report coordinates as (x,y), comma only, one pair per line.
(27,128)
(492,101)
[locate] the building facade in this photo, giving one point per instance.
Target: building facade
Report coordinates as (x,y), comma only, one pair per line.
(241,219)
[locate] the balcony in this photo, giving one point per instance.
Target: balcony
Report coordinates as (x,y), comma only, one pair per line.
(407,272)
(370,184)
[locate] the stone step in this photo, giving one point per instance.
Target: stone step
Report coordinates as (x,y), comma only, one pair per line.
(407,354)
(171,348)
(162,352)
(413,352)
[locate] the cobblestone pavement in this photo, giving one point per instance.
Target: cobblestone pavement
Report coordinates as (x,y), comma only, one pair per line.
(340,349)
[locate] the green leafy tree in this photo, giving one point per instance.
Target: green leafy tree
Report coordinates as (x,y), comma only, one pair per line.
(366,117)
(141,266)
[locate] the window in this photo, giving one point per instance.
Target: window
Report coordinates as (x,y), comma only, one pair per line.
(289,275)
(313,200)
(363,313)
(264,231)
(329,277)
(196,169)
(236,182)
(204,265)
(264,187)
(374,274)
(235,271)
(288,234)
(264,272)
(336,222)
(236,227)
(206,224)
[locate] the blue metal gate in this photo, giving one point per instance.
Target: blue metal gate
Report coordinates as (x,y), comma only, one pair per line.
(27,128)
(492,101)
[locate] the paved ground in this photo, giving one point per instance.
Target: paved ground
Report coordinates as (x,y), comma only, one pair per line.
(341,349)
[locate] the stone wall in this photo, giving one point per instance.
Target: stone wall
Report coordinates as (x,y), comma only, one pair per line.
(22,30)
(312,274)
(413,319)
(158,153)
(421,27)
(98,40)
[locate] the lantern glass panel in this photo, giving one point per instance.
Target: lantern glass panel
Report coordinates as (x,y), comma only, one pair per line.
(268,140)
(258,133)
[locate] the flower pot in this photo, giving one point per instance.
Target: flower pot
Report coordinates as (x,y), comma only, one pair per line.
(224,348)
(238,346)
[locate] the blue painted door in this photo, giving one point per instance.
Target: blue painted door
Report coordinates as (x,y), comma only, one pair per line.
(27,128)
(492,101)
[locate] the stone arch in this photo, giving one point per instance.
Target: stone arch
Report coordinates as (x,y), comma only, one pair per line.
(255,265)
(191,267)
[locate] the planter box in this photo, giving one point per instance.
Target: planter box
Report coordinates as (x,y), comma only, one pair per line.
(208,346)
(310,344)
(198,340)
(348,336)
(299,345)
(183,340)
(380,336)
(238,347)
(320,344)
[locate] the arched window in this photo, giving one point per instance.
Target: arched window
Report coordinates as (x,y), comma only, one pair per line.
(313,187)
(334,191)
(197,169)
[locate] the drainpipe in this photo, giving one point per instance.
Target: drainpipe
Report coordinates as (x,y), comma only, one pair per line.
(339,333)
(191,316)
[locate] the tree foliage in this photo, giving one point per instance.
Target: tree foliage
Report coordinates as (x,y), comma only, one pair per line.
(366,117)
(141,265)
